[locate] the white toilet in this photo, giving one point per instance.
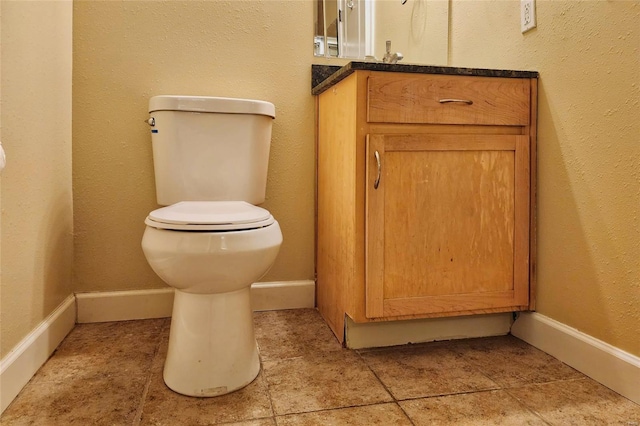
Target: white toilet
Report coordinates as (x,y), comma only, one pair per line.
(211,243)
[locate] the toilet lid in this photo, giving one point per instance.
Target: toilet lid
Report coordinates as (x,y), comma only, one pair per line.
(210,216)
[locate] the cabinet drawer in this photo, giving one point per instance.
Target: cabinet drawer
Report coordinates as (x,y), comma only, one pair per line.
(444,99)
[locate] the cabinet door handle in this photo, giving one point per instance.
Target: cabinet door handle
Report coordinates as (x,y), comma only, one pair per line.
(377,182)
(460,101)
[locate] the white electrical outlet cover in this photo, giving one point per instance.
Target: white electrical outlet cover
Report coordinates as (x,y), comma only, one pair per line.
(527,15)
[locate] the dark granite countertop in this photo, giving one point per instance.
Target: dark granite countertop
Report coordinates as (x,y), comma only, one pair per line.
(325,76)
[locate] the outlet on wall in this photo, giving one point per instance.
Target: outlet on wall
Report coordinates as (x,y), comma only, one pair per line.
(527,15)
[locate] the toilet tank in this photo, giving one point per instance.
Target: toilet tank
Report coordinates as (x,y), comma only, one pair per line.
(209,148)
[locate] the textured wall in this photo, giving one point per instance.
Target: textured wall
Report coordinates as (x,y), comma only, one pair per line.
(126,52)
(36,228)
(588,56)
(418,29)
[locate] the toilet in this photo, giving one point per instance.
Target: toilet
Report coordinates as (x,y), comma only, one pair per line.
(211,241)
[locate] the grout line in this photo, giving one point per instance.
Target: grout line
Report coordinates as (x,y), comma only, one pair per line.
(522,403)
(145,392)
(138,417)
(405,413)
(323,410)
(395,400)
(478,368)
(547,382)
(266,382)
(377,378)
(443,395)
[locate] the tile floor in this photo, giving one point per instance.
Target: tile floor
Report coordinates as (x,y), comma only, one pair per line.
(111,374)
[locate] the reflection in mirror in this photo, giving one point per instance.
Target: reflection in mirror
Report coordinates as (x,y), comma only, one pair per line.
(325,40)
(341,28)
(353,29)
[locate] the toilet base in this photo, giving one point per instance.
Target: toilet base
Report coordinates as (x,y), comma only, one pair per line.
(212,346)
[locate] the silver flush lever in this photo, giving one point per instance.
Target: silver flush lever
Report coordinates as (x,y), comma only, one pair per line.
(151,121)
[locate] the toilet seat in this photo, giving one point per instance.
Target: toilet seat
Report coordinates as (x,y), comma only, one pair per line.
(210,216)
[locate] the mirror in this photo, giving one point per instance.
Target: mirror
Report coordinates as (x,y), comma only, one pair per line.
(355,29)
(340,28)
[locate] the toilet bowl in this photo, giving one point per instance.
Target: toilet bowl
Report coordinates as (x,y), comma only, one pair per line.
(211,241)
(212,348)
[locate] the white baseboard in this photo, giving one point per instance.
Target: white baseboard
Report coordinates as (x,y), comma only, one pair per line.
(391,333)
(158,303)
(17,368)
(279,295)
(124,305)
(614,368)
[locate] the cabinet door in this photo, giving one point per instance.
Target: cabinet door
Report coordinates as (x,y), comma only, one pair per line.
(447,224)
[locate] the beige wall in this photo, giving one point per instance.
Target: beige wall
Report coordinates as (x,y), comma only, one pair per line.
(126,52)
(418,29)
(587,53)
(36,228)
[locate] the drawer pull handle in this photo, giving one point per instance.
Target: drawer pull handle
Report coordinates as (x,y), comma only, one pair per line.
(459,101)
(377,182)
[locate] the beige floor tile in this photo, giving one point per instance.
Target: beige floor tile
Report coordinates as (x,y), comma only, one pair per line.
(99,373)
(370,415)
(331,380)
(511,362)
(90,350)
(165,407)
(480,408)
(292,333)
(424,370)
(107,399)
(578,402)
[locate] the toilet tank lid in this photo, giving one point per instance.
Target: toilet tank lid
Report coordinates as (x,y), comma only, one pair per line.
(211,104)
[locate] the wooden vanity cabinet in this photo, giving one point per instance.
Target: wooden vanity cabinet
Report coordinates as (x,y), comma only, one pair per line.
(425,196)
